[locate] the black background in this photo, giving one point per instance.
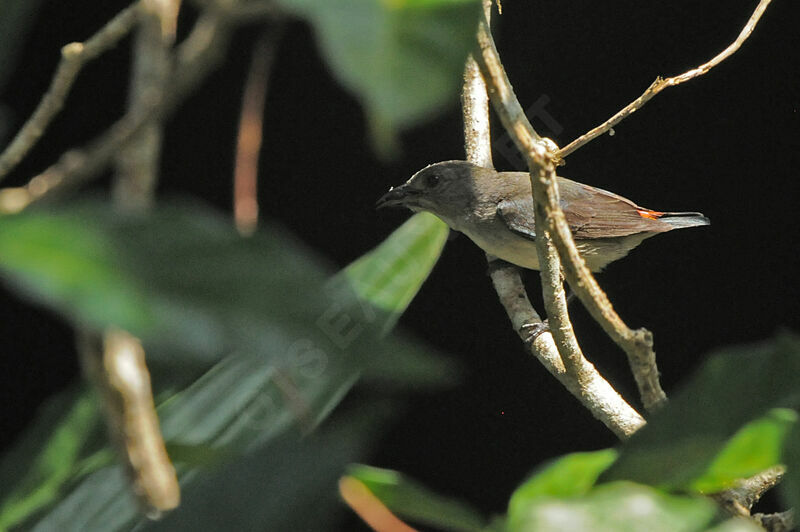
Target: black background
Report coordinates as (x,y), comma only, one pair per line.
(726,144)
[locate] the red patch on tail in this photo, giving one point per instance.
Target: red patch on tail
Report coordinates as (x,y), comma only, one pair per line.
(646,213)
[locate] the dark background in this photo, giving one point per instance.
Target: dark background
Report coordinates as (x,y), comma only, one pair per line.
(726,144)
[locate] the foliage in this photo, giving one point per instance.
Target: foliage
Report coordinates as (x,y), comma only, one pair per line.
(259,310)
(712,433)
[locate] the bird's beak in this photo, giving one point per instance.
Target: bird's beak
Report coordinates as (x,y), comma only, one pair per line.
(396,197)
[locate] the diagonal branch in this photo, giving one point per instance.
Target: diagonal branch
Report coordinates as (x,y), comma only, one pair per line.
(592,390)
(199,53)
(73,57)
(660,84)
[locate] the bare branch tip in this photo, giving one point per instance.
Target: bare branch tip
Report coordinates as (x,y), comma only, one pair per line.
(72,50)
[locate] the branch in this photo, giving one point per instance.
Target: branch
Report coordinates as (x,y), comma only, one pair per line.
(116,367)
(594,392)
(121,375)
(73,57)
(251,125)
(137,162)
(660,84)
(637,344)
(738,500)
(196,57)
(536,151)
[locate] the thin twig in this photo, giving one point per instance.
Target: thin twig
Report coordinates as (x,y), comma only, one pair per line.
(660,84)
(637,344)
(73,57)
(592,391)
(248,141)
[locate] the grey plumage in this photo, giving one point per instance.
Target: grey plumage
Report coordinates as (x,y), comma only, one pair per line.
(495,210)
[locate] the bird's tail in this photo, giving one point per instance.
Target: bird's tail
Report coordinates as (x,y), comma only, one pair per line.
(680,220)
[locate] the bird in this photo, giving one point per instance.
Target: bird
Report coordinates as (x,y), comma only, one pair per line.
(495,210)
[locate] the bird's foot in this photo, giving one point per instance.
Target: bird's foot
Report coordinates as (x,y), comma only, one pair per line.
(532,331)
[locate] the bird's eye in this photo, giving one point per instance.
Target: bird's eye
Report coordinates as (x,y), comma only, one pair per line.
(431,180)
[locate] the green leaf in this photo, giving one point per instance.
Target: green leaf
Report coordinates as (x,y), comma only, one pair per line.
(568,476)
(181,279)
(615,507)
(735,387)
(288,344)
(285,485)
(402,58)
(389,276)
(756,447)
(38,466)
(235,409)
(415,502)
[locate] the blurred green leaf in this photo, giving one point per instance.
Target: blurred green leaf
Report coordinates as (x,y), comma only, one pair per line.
(756,447)
(402,58)
(285,485)
(736,386)
(568,476)
(389,276)
(181,279)
(410,500)
(36,468)
(300,341)
(615,507)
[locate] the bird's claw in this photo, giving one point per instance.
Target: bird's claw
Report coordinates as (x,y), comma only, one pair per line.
(532,331)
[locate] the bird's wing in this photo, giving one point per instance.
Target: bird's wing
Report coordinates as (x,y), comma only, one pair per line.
(518,216)
(590,213)
(596,213)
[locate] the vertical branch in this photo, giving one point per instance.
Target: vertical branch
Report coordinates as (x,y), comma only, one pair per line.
(120,372)
(116,367)
(475,110)
(536,152)
(584,381)
(248,141)
(541,157)
(137,162)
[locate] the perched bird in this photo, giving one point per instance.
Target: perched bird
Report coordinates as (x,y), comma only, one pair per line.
(495,210)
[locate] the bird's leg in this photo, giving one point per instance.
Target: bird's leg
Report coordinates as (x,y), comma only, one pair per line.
(532,331)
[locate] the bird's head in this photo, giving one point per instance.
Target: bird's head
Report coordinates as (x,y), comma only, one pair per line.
(445,189)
